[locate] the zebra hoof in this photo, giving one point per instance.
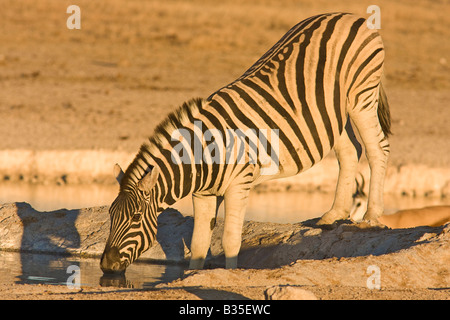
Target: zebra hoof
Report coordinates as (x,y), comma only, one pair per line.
(331,217)
(373,223)
(324,222)
(196,264)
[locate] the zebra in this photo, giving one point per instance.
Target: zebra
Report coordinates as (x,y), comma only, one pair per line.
(317,83)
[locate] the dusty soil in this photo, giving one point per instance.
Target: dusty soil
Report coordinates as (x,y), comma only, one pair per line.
(202,292)
(107,85)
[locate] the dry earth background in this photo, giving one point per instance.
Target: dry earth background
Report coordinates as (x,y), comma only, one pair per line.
(75,100)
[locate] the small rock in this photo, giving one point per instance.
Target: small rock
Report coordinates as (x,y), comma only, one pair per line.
(312,232)
(288,293)
(426,237)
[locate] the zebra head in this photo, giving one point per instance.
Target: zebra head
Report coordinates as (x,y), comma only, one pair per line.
(133,222)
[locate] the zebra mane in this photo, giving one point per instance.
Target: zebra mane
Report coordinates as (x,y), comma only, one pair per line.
(143,161)
(175,120)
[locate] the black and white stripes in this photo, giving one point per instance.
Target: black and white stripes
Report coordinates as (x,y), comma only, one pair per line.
(297,102)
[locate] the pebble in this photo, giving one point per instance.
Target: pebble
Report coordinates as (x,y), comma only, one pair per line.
(288,293)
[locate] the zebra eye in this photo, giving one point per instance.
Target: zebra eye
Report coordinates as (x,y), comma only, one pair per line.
(136,217)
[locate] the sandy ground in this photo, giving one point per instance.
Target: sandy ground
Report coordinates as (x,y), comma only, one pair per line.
(231,292)
(107,85)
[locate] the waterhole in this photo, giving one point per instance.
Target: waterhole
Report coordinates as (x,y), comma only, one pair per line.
(30,268)
(282,207)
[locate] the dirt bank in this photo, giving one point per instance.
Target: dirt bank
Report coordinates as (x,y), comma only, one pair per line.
(412,263)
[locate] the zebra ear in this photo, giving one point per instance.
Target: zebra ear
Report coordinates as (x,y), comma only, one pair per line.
(118,173)
(149,180)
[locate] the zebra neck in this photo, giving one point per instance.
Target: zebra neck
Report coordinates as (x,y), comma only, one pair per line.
(166,191)
(176,178)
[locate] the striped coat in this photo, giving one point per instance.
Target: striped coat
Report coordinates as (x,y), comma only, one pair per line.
(294,106)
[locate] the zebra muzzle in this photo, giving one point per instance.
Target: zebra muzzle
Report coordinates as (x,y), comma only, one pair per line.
(110,261)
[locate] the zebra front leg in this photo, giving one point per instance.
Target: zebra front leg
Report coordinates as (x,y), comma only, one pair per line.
(348,151)
(236,199)
(205,207)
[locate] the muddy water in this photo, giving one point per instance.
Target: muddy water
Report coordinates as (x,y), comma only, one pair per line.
(30,268)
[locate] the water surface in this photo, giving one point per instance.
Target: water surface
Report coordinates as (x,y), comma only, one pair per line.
(31,268)
(283,207)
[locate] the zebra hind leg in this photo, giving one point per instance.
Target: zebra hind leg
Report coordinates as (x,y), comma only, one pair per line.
(205,207)
(348,151)
(376,144)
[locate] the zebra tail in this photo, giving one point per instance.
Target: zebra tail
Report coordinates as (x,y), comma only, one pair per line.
(384,114)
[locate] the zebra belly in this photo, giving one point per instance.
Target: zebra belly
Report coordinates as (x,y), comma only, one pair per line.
(288,166)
